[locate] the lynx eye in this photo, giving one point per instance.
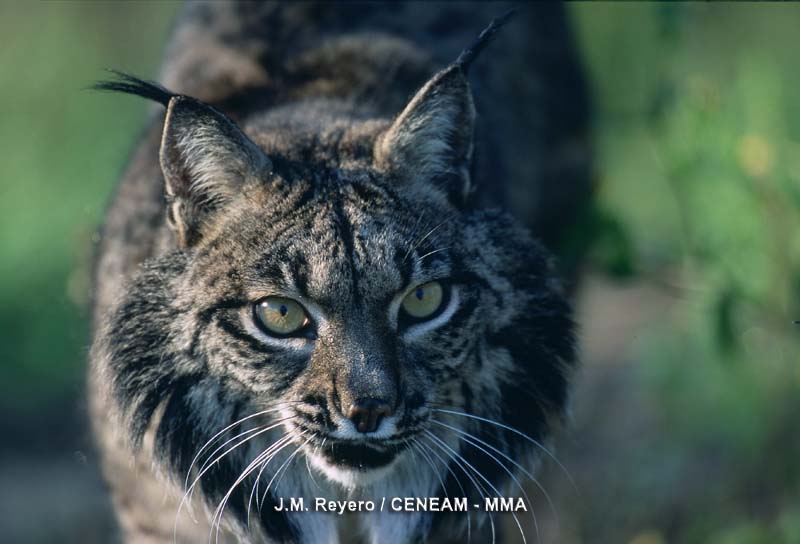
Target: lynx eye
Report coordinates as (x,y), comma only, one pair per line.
(280,316)
(424,300)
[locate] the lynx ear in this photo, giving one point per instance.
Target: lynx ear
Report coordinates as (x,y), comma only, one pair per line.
(205,157)
(206,160)
(431,140)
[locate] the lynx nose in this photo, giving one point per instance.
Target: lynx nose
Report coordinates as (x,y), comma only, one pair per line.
(367,414)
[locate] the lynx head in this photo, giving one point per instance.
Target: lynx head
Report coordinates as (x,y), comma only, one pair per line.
(333,281)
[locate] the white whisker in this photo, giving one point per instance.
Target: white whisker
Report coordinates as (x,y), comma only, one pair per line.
(484,478)
(285,464)
(217,518)
(428,254)
(525,471)
(460,463)
(207,466)
(419,242)
(515,431)
(458,482)
(466,439)
(308,468)
(264,458)
(223,431)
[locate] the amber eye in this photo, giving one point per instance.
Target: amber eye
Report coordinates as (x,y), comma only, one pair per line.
(280,316)
(423,301)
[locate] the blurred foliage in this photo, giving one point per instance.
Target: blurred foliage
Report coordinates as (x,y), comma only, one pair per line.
(698,133)
(63,146)
(698,159)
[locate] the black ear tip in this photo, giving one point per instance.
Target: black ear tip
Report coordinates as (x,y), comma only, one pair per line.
(506,17)
(129,84)
(484,38)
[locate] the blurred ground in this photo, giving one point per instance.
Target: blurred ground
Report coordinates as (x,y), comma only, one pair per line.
(687,408)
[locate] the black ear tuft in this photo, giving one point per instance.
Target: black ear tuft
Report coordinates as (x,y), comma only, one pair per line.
(205,158)
(126,83)
(471,53)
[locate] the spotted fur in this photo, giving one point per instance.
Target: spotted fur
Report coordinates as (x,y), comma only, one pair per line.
(302,174)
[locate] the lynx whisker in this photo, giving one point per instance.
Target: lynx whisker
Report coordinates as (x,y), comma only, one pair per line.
(415,228)
(214,438)
(517,432)
(189,489)
(419,242)
(413,234)
(418,446)
(211,440)
(308,466)
(456,478)
(525,471)
(459,461)
(285,466)
(320,446)
(484,478)
(209,464)
(428,254)
(413,445)
(257,430)
(217,517)
(465,437)
(265,458)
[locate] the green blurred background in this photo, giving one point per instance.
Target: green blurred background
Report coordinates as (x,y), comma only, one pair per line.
(687,411)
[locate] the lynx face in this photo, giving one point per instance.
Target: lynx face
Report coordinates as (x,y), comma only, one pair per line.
(308,301)
(347,306)
(333,294)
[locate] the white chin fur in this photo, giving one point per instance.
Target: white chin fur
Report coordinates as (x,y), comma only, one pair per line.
(350,479)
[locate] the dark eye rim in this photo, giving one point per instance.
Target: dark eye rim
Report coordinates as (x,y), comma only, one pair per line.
(406,320)
(308,330)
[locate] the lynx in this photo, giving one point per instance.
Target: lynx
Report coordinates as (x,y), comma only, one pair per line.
(310,286)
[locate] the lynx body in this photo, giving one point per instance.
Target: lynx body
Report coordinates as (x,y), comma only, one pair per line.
(305,286)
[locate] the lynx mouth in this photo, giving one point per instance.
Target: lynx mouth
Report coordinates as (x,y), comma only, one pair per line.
(358,455)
